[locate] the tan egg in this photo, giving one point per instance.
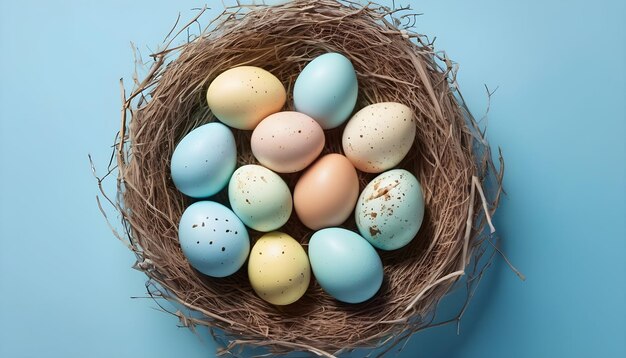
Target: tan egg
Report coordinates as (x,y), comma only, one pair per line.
(279,269)
(287,142)
(327,192)
(379,136)
(242,96)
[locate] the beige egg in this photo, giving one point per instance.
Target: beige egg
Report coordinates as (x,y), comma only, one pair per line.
(279,269)
(379,136)
(326,193)
(287,142)
(242,96)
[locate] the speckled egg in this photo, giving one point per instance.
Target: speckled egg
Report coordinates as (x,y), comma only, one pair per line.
(345,265)
(379,136)
(326,193)
(213,239)
(279,269)
(390,210)
(204,160)
(326,90)
(242,96)
(260,198)
(287,142)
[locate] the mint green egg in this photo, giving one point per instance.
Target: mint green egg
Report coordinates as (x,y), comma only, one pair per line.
(260,198)
(390,210)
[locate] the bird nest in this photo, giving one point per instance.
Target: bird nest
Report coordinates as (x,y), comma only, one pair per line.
(450,157)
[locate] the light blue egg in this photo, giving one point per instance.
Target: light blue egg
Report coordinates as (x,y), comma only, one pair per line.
(345,265)
(326,90)
(213,239)
(204,160)
(390,210)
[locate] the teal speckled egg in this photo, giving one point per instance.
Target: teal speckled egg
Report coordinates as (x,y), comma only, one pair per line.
(213,239)
(390,210)
(345,265)
(326,90)
(204,160)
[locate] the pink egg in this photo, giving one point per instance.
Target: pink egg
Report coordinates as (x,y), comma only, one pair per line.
(287,142)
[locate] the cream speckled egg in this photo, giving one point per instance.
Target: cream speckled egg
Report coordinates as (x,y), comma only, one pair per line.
(287,142)
(279,269)
(379,136)
(242,96)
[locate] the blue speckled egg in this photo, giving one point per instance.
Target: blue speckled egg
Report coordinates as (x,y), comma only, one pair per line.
(345,265)
(213,239)
(326,90)
(204,160)
(390,209)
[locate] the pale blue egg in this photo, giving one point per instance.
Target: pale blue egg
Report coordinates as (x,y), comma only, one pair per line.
(204,160)
(390,210)
(345,265)
(326,90)
(213,239)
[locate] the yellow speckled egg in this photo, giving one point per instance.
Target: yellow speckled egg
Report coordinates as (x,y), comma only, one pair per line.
(279,269)
(242,96)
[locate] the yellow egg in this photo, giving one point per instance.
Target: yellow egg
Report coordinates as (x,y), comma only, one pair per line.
(242,96)
(279,269)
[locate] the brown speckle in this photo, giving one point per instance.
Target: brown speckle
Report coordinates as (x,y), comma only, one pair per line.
(374,230)
(382,191)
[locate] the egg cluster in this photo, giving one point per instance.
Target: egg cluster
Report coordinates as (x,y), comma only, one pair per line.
(388,212)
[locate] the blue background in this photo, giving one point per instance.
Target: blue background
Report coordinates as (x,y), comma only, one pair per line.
(559,115)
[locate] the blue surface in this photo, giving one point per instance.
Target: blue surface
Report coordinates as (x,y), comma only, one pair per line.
(559,116)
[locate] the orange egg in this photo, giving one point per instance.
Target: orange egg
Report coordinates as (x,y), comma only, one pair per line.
(327,192)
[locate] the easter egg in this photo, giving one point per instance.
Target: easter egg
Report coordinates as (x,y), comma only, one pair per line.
(213,239)
(326,90)
(390,210)
(279,269)
(287,142)
(326,193)
(204,160)
(345,265)
(242,96)
(379,136)
(260,198)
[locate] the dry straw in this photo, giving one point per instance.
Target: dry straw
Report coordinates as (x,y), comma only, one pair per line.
(450,158)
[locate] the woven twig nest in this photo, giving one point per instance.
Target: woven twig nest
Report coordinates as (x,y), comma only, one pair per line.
(450,158)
